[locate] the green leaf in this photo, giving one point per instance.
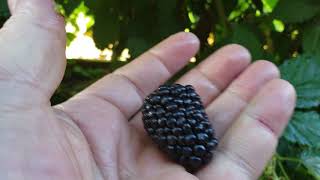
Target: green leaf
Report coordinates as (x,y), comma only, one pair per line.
(139,24)
(303,73)
(242,6)
(106,29)
(103,4)
(258,4)
(268,5)
(311,40)
(311,159)
(70,38)
(304,129)
(244,35)
(137,46)
(69,5)
(167,22)
(294,11)
(4,10)
(229,6)
(290,155)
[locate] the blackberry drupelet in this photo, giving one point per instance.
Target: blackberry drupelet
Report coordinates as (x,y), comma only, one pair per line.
(175,119)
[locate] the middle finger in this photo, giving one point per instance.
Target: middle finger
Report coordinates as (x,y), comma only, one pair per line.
(225,109)
(213,75)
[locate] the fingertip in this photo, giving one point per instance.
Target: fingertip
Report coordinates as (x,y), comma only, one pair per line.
(274,105)
(289,94)
(39,14)
(187,36)
(12,5)
(270,68)
(42,11)
(224,65)
(184,41)
(39,5)
(177,50)
(284,90)
(233,57)
(189,41)
(238,52)
(279,88)
(249,83)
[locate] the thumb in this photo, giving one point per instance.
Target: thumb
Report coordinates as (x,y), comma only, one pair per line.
(43,7)
(32,49)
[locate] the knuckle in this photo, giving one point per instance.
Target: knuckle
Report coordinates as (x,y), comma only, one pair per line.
(239,161)
(51,23)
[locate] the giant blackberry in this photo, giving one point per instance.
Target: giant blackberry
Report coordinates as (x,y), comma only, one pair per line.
(175,119)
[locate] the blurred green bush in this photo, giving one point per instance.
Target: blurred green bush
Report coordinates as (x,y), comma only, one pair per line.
(286,32)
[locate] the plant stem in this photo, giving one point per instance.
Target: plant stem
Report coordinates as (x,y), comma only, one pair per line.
(283,170)
(289,159)
(222,15)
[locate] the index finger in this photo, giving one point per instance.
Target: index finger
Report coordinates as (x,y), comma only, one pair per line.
(128,86)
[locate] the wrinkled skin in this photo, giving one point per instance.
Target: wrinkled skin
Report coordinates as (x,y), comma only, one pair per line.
(98,133)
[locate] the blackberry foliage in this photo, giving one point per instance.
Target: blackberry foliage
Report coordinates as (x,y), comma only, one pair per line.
(175,119)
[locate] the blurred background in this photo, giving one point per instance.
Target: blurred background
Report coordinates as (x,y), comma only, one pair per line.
(106,34)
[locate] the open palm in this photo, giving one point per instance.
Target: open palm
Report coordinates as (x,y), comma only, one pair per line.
(98,134)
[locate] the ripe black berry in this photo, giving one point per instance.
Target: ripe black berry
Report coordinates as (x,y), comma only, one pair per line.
(175,119)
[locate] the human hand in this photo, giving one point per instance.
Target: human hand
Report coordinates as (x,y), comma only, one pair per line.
(98,134)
